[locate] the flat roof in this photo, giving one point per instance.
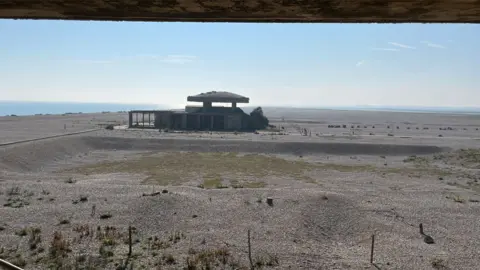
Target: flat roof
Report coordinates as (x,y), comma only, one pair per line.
(218,96)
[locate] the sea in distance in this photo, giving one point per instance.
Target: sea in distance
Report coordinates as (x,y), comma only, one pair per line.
(32,108)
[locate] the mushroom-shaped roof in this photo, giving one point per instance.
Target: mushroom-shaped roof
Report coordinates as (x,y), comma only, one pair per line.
(214,96)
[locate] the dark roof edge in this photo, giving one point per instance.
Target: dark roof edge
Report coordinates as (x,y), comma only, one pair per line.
(218,99)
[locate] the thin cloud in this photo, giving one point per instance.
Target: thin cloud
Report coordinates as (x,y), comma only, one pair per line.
(93,62)
(401,45)
(434,45)
(385,49)
(171,59)
(145,57)
(179,59)
(360,63)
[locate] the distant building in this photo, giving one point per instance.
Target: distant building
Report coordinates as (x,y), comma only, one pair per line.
(205,117)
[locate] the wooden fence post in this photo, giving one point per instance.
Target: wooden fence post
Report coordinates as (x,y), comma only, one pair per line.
(372,248)
(250,251)
(129,241)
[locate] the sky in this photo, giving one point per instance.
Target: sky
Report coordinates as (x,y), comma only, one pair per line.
(301,65)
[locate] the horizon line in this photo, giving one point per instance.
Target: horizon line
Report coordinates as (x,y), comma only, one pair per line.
(386,106)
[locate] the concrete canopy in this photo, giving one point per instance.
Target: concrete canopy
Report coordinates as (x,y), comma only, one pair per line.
(466,11)
(214,96)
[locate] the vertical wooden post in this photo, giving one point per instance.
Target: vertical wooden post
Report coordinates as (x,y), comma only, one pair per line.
(372,248)
(129,241)
(250,251)
(421,228)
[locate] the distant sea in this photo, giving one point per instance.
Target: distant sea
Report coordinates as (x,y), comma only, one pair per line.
(32,108)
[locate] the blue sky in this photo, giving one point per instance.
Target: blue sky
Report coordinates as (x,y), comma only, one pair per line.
(273,64)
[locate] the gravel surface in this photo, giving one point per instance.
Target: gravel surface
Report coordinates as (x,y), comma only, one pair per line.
(357,186)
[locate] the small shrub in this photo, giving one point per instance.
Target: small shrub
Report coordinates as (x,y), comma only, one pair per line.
(70,180)
(13,191)
(83,231)
(272,260)
(22,232)
(438,263)
(19,261)
(259,262)
(169,259)
(456,198)
(206,259)
(17,202)
(59,247)
(156,244)
(105,251)
(237,185)
(176,237)
(108,241)
(35,237)
(191,264)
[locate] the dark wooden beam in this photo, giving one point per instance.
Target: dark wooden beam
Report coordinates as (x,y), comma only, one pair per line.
(364,11)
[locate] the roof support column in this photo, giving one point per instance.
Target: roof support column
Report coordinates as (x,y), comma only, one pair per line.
(130,119)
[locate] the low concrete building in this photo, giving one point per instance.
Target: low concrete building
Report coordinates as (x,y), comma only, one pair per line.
(205,117)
